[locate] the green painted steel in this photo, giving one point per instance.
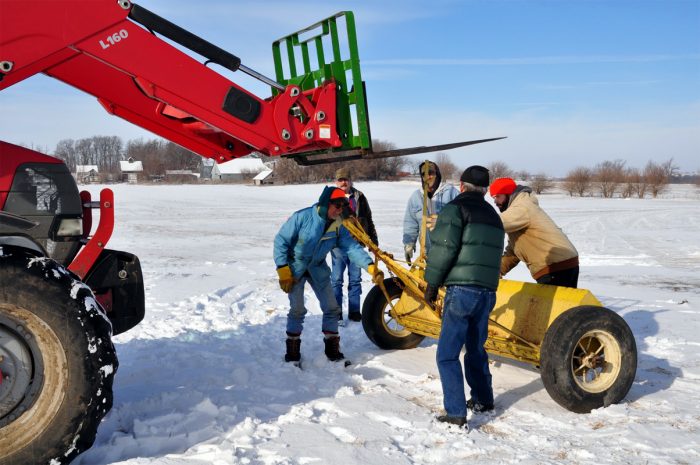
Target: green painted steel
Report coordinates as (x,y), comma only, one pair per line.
(294,64)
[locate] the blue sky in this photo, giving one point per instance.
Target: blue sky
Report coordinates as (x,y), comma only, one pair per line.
(570,83)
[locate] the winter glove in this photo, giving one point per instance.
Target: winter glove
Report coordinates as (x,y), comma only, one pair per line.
(431,294)
(431,221)
(409,249)
(287,280)
(376,273)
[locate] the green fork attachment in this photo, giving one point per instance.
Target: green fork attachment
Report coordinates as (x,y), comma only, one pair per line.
(337,59)
(295,64)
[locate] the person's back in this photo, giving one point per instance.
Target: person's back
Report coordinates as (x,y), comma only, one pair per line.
(533,237)
(478,254)
(465,256)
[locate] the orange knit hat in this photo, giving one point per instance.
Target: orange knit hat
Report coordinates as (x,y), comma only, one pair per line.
(337,194)
(502,186)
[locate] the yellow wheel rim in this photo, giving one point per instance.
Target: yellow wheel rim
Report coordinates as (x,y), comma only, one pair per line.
(596,361)
(390,324)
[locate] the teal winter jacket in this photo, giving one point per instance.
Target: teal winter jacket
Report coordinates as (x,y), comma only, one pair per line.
(304,240)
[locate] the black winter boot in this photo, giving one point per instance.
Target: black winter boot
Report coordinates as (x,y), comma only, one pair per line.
(332,342)
(293,348)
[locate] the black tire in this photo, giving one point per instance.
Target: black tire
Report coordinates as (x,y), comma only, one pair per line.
(380,326)
(58,361)
(588,359)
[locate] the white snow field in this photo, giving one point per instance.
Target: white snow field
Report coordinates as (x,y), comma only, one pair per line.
(202,379)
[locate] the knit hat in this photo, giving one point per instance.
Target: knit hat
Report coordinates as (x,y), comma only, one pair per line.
(337,194)
(476,175)
(342,173)
(329,193)
(502,186)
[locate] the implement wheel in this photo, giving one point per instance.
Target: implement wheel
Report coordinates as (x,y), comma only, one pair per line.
(56,358)
(588,359)
(380,327)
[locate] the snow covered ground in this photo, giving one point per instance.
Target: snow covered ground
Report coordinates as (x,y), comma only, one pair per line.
(202,378)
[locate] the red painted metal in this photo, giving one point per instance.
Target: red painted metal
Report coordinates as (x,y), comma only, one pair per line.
(84,261)
(145,80)
(11,157)
(85,199)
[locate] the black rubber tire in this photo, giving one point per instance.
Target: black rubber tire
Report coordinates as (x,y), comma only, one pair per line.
(375,315)
(593,331)
(73,361)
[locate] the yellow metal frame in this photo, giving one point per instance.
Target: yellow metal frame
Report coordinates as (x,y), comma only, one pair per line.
(517,324)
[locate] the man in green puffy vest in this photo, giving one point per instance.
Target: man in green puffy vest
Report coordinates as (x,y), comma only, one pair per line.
(465,256)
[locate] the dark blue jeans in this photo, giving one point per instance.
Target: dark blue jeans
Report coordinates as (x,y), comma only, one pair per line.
(465,324)
(340,262)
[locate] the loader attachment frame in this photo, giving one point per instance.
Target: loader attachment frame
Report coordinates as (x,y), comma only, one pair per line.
(333,43)
(327,52)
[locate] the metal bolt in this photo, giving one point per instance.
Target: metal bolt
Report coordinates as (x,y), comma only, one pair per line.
(286,135)
(294,92)
(6,66)
(126,4)
(309,134)
(122,274)
(108,204)
(320,115)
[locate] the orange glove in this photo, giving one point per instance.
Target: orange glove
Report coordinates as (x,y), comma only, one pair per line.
(287,280)
(376,273)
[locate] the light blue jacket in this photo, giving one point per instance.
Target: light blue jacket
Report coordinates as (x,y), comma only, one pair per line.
(303,244)
(414,211)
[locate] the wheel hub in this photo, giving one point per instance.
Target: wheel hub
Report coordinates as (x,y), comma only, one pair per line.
(17,387)
(596,361)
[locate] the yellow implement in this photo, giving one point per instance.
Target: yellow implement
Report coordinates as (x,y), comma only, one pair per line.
(586,353)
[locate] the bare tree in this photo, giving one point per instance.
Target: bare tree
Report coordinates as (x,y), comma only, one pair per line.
(607,177)
(657,176)
(179,158)
(287,171)
(578,181)
(447,168)
(498,169)
(107,153)
(541,182)
(522,175)
(634,184)
(65,150)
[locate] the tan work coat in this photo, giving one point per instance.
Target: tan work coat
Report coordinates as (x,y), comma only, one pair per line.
(534,238)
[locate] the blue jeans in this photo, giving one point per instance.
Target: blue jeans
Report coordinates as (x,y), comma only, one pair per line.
(340,262)
(297,310)
(465,323)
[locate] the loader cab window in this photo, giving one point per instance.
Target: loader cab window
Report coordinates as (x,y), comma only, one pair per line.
(44,193)
(43,190)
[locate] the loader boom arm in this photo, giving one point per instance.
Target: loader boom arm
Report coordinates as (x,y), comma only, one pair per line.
(103,48)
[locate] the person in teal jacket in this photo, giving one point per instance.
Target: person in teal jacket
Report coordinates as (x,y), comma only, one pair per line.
(300,250)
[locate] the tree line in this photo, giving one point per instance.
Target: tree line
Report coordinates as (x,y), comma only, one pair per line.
(606,179)
(105,152)
(159,156)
